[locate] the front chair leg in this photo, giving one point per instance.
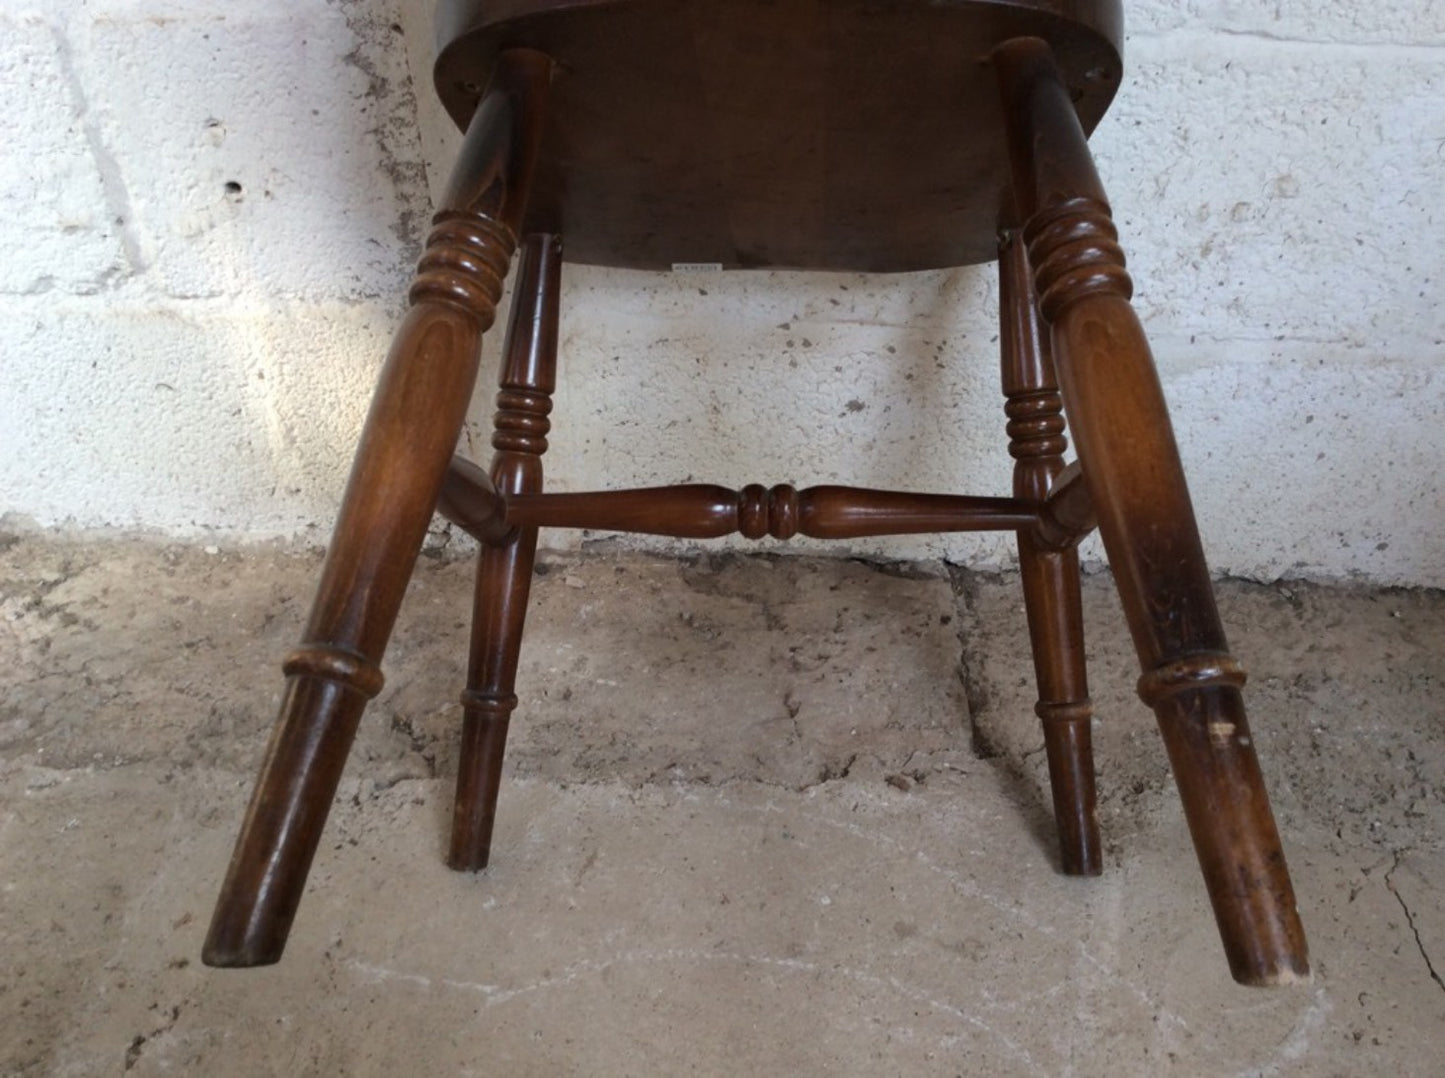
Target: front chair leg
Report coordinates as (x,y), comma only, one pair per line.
(410,434)
(1131,466)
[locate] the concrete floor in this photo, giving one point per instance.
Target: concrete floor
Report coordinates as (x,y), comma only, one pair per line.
(763,815)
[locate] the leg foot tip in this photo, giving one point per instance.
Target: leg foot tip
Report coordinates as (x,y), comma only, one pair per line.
(224,950)
(237,958)
(1288,974)
(459,863)
(1082,855)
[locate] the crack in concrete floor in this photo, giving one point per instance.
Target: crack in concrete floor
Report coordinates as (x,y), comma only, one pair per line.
(1410,918)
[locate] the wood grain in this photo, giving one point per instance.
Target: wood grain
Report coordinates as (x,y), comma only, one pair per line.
(504,565)
(396,478)
(1116,410)
(1050,574)
(823,134)
(814,134)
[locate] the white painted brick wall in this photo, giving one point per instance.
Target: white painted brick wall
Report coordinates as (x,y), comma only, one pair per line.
(180,355)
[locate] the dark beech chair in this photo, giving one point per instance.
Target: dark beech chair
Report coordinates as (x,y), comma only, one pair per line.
(873,135)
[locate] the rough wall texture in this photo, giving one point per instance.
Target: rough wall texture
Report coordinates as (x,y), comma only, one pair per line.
(208,211)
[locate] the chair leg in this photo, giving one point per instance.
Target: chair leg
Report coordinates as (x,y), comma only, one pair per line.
(1116,410)
(410,434)
(504,571)
(1050,577)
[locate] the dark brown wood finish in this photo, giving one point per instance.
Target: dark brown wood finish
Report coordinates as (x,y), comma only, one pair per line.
(1130,462)
(826,134)
(410,433)
(504,567)
(1067,514)
(470,500)
(1050,575)
(817,134)
(705,511)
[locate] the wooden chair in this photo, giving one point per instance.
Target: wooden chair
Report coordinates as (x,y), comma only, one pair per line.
(872,135)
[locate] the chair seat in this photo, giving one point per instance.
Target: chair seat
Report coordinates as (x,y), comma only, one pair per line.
(814,134)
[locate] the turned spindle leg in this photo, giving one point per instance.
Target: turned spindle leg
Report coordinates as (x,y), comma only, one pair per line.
(1050,577)
(504,570)
(410,434)
(1116,411)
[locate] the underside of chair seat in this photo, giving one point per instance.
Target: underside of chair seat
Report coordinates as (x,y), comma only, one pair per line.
(815,134)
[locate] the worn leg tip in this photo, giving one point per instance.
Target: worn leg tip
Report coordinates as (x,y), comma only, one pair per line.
(1290,973)
(468,862)
(227,950)
(222,957)
(1082,854)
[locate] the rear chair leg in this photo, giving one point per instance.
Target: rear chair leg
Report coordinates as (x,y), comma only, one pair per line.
(1050,577)
(1131,467)
(504,570)
(410,433)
